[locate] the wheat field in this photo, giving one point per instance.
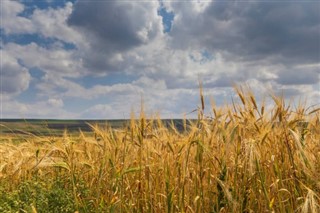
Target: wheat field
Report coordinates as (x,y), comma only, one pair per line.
(246,157)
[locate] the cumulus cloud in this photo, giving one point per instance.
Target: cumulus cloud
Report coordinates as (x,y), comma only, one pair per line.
(14,77)
(272,46)
(278,31)
(55,59)
(117,25)
(113,28)
(50,23)
(100,111)
(51,58)
(169,104)
(55,102)
(41,109)
(224,42)
(11,21)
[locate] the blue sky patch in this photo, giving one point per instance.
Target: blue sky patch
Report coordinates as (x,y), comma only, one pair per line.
(206,56)
(167,18)
(45,42)
(43,4)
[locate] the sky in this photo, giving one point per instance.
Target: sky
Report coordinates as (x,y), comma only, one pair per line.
(101,59)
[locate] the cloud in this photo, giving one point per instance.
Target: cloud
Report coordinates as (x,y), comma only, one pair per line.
(11,21)
(55,102)
(120,25)
(222,42)
(100,111)
(14,77)
(53,62)
(272,46)
(54,59)
(50,58)
(50,23)
(303,75)
(39,109)
(114,27)
(276,31)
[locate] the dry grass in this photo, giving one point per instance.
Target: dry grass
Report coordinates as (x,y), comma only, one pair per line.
(244,159)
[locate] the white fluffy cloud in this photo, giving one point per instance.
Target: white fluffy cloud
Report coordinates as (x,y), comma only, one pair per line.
(55,59)
(41,109)
(49,23)
(267,45)
(14,77)
(55,102)
(11,22)
(112,29)
(282,32)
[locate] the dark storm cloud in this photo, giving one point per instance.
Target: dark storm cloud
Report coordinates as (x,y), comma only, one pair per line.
(281,31)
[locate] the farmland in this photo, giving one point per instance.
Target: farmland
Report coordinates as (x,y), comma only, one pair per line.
(51,127)
(245,158)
